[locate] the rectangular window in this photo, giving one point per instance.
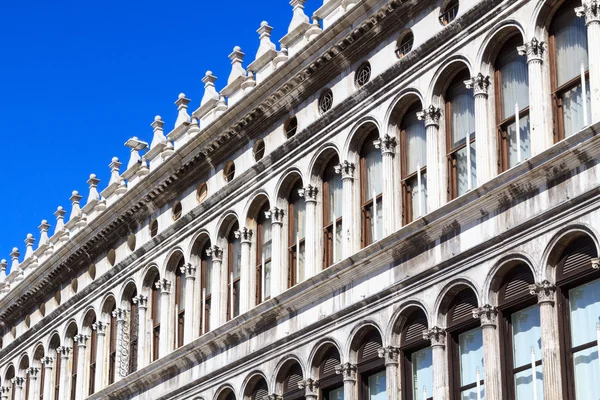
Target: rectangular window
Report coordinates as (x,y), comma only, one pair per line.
(526,335)
(470,351)
(376,384)
(422,374)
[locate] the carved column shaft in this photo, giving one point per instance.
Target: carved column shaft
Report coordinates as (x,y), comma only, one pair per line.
(491,350)
(65,378)
(143,354)
(81,365)
(387,145)
(310,231)
(34,382)
(346,170)
(485,157)
(437,336)
(277,275)
(590,10)
(247,277)
(348,372)
(166,335)
(391,355)
(190,315)
(216,309)
(436,165)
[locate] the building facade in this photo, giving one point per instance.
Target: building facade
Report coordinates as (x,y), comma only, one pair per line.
(401,202)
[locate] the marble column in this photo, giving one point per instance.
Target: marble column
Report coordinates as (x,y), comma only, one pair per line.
(100,328)
(47,363)
(484,142)
(491,351)
(4,392)
(437,336)
(346,170)
(278,275)
(121,357)
(34,384)
(545,292)
(541,134)
(437,194)
(275,396)
(311,388)
(65,378)
(247,273)
(391,355)
(166,324)
(190,283)
(19,382)
(310,232)
(216,253)
(348,372)
(590,10)
(142,304)
(387,145)
(81,364)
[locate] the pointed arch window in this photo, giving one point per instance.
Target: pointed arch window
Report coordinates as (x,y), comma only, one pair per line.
(234,262)
(371,190)
(332,214)
(413,141)
(296,235)
(264,241)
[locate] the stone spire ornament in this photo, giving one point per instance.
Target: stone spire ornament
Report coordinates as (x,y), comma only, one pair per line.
(29,241)
(3,265)
(61,234)
(266,52)
(14,266)
(314,30)
(209,100)
(295,39)
(93,195)
(44,226)
(182,107)
(135,161)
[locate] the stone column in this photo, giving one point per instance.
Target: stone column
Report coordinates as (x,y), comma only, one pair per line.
(34,385)
(387,145)
(142,304)
(81,363)
(121,357)
(484,143)
(215,306)
(5,392)
(100,328)
(391,355)
(247,275)
(166,324)
(19,381)
(541,135)
(436,164)
(491,351)
(346,170)
(348,372)
(311,388)
(550,342)
(274,396)
(437,336)
(590,10)
(310,231)
(47,362)
(277,276)
(65,378)
(190,280)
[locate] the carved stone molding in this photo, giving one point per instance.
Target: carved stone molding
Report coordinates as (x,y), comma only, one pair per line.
(141,301)
(19,381)
(348,371)
(47,362)
(345,169)
(33,372)
(431,115)
(63,351)
(479,84)
(590,10)
(595,263)
(486,314)
(436,335)
(189,270)
(534,50)
(544,291)
(275,215)
(274,396)
(81,340)
(121,315)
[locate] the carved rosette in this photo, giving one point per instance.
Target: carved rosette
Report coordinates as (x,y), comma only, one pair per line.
(275,215)
(436,335)
(309,193)
(479,84)
(215,252)
(487,315)
(310,386)
(348,371)
(431,115)
(590,10)
(534,50)
(244,234)
(544,291)
(345,169)
(390,354)
(100,327)
(387,144)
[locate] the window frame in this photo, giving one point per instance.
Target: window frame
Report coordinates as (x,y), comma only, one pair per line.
(365,368)
(231,286)
(365,205)
(407,349)
(93,360)
(178,307)
(328,235)
(292,250)
(74,362)
(112,347)
(155,303)
(204,285)
(261,221)
(407,179)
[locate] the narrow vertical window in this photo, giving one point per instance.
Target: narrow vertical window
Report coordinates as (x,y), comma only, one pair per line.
(74,362)
(296,237)
(92,370)
(205,287)
(234,260)
(371,369)
(414,165)
(371,191)
(134,324)
(417,379)
(332,214)
(57,368)
(263,255)
(179,303)
(112,347)
(155,313)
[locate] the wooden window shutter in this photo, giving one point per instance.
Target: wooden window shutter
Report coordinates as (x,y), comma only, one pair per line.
(330,362)
(577,257)
(462,309)
(516,284)
(261,392)
(369,349)
(294,376)
(415,325)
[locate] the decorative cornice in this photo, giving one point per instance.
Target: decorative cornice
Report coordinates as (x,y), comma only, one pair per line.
(431,115)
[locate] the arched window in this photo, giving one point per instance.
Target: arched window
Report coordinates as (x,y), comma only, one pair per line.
(371,368)
(413,142)
(74,363)
(155,317)
(416,353)
(521,334)
(330,383)
(264,240)
(260,391)
(512,98)
(234,262)
(579,296)
(460,124)
(296,236)
(466,345)
(112,346)
(568,50)
(332,214)
(289,377)
(57,368)
(371,185)
(8,380)
(179,302)
(205,287)
(134,323)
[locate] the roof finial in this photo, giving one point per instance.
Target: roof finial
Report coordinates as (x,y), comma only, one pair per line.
(210,93)
(44,226)
(93,195)
(299,18)
(29,241)
(237,70)
(14,266)
(136,146)
(3,265)
(75,208)
(182,114)
(60,220)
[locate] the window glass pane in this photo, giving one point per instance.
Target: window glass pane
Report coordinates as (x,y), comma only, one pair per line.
(208,275)
(571,45)
(514,81)
(422,373)
(572,108)
(157,309)
(463,114)
(526,334)
(266,240)
(374,174)
(182,291)
(584,303)
(471,394)
(524,384)
(379,217)
(299,217)
(301,262)
(587,372)
(237,257)
(335,394)
(267,282)
(415,196)
(335,197)
(236,298)
(523,140)
(338,243)
(377,386)
(461,170)
(416,145)
(470,349)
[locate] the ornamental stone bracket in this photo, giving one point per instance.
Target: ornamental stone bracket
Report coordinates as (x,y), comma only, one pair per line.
(479,84)
(390,354)
(387,144)
(590,10)
(486,314)
(544,291)
(244,234)
(348,371)
(534,50)
(345,169)
(431,115)
(436,335)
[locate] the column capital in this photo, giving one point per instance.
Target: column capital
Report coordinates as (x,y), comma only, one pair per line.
(436,335)
(595,263)
(274,396)
(47,362)
(19,381)
(120,314)
(81,340)
(309,193)
(215,252)
(33,372)
(534,50)
(544,291)
(141,301)
(479,84)
(347,370)
(63,351)
(164,285)
(310,386)
(189,270)
(345,169)
(275,215)
(431,115)
(590,10)
(486,314)
(244,234)
(387,144)
(100,327)
(389,354)
(5,391)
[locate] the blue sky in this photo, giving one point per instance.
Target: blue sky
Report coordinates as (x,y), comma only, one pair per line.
(78,78)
